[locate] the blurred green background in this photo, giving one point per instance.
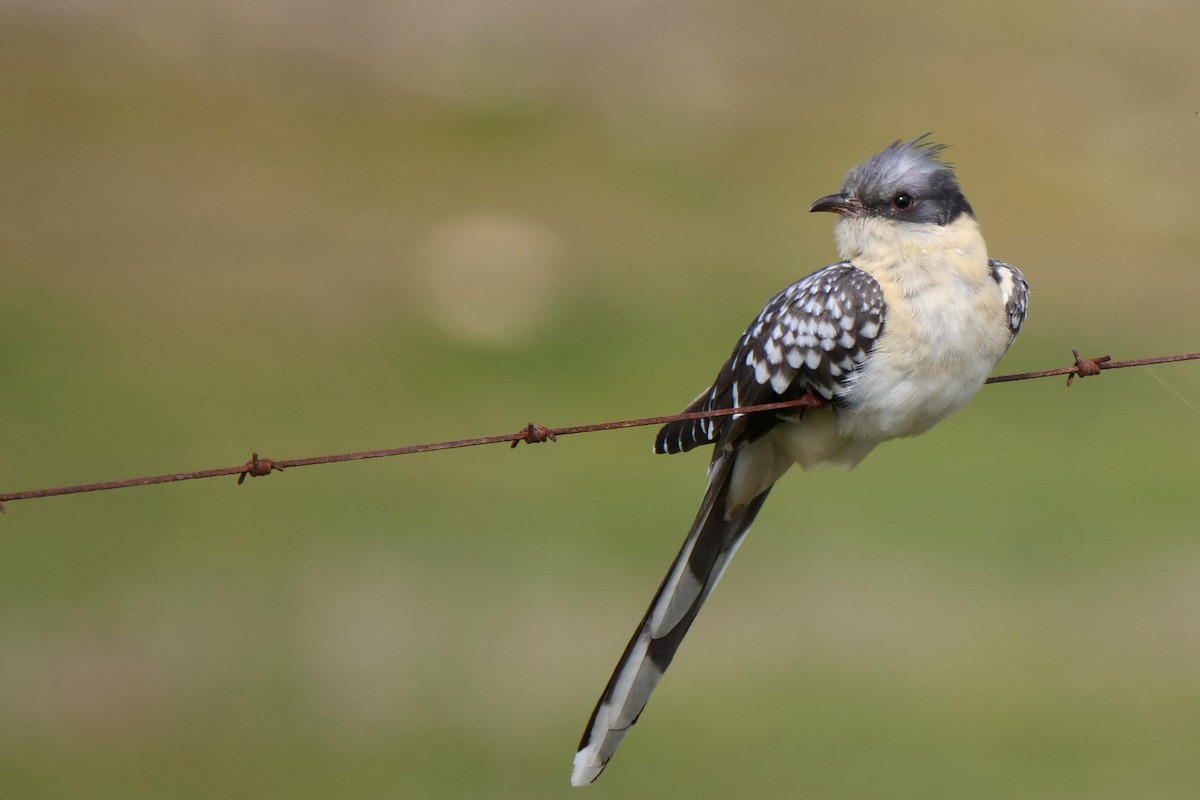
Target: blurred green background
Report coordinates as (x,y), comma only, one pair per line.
(309,227)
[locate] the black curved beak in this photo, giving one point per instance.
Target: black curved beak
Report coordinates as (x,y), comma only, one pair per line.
(841,203)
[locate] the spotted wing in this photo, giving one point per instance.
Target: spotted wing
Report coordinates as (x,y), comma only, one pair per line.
(1014,289)
(814,334)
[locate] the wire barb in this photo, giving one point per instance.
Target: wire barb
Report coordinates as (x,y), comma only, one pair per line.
(533,433)
(257,467)
(1087,367)
(1089,364)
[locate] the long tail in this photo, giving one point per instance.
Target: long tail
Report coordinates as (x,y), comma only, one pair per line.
(702,560)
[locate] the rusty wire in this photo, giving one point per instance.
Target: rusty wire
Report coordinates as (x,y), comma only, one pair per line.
(533,433)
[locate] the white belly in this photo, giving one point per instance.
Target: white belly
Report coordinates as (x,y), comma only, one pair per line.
(927,365)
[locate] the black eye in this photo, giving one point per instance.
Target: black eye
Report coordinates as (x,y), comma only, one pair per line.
(902,201)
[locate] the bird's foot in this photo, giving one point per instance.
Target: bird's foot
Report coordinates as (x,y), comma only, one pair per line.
(810,399)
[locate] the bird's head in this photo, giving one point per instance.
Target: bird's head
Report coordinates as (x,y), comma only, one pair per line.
(906,182)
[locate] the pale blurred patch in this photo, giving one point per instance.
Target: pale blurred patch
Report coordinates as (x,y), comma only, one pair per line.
(365,633)
(384,646)
(491,277)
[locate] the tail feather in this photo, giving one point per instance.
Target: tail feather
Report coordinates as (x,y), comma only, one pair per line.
(697,568)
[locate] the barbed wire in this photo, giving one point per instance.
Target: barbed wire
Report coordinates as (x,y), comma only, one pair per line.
(533,433)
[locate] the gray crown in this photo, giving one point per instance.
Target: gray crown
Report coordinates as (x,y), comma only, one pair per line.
(909,168)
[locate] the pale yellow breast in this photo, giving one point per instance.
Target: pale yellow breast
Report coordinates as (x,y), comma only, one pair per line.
(944,324)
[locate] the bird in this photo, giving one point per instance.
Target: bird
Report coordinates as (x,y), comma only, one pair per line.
(884,344)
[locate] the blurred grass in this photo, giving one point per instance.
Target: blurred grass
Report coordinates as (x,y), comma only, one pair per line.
(224,230)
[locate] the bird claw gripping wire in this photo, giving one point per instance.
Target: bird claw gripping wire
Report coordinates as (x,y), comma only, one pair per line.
(810,399)
(257,467)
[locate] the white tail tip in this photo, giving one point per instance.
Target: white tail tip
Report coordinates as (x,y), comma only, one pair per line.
(586,768)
